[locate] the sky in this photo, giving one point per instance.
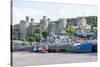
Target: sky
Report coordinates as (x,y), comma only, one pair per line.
(54,11)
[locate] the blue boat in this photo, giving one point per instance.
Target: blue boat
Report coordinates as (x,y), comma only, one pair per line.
(82,47)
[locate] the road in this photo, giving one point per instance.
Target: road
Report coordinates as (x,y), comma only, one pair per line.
(28,59)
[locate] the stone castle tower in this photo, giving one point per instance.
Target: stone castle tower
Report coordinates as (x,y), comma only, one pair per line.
(62,24)
(24,24)
(81,23)
(31,27)
(44,22)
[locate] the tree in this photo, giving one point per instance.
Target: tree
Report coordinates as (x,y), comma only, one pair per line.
(45,33)
(94,30)
(71,30)
(92,20)
(37,37)
(37,34)
(38,30)
(30,39)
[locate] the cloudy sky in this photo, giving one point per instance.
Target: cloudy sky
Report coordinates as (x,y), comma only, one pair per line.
(36,10)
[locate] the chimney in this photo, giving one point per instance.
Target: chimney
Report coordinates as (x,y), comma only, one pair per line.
(27,18)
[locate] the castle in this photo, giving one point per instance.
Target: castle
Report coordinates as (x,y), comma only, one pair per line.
(28,26)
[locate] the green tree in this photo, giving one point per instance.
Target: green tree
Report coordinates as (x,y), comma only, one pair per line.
(37,34)
(37,37)
(30,39)
(38,30)
(94,30)
(92,20)
(45,33)
(71,30)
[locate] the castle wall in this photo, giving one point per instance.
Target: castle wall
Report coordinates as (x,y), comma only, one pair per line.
(57,26)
